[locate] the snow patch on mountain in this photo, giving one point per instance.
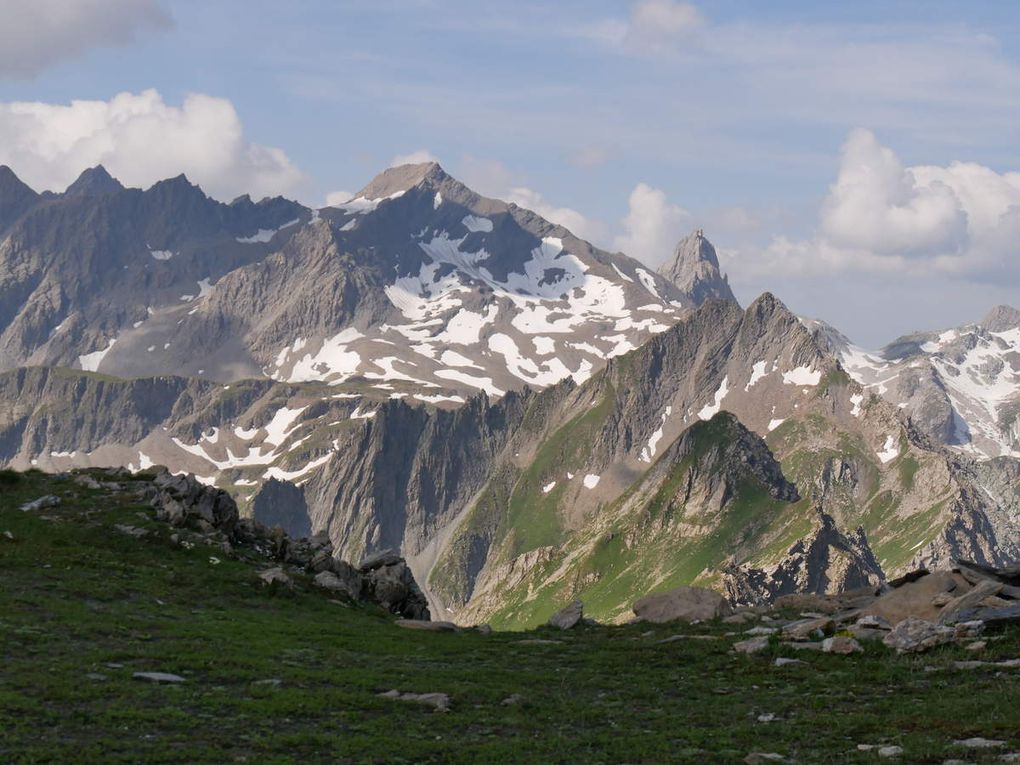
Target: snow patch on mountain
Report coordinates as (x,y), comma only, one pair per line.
(710,410)
(802,376)
(90,361)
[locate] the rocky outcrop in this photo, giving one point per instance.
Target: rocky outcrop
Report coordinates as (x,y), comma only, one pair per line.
(384,580)
(827,561)
(695,270)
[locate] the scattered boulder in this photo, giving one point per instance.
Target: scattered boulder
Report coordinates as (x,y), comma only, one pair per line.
(275,576)
(841,645)
(388,581)
(809,629)
(438,701)
(760,758)
(980,743)
(913,635)
(330,581)
(50,500)
(688,604)
(782,661)
(568,617)
(752,645)
(158,677)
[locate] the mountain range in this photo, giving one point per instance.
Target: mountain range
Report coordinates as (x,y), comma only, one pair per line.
(527,418)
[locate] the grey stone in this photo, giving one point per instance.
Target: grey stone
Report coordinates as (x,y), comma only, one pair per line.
(158,677)
(687,604)
(568,617)
(841,645)
(914,635)
(438,701)
(752,645)
(50,500)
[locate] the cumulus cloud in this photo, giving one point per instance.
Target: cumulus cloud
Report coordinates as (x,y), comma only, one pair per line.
(140,140)
(494,179)
(36,34)
(579,225)
(880,206)
(881,216)
(414,158)
(654,26)
(652,226)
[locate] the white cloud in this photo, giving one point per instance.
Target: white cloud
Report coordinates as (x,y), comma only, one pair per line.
(140,140)
(652,226)
(881,216)
(879,206)
(335,198)
(579,225)
(654,26)
(36,34)
(494,179)
(414,158)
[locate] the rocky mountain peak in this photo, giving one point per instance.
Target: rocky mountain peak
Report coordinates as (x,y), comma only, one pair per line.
(695,270)
(1001,318)
(15,195)
(396,180)
(94,181)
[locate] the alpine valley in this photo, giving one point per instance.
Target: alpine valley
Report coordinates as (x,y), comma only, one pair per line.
(526,418)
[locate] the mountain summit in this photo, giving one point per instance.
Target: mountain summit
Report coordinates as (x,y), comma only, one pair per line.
(695,270)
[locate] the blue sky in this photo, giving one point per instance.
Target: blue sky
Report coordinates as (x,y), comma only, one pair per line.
(854,158)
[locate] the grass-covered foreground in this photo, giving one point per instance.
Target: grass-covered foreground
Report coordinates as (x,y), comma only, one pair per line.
(83,606)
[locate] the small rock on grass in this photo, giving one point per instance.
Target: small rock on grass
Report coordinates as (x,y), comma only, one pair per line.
(50,500)
(752,646)
(760,758)
(568,617)
(158,677)
(841,645)
(438,701)
(980,743)
(275,575)
(782,661)
(512,700)
(890,751)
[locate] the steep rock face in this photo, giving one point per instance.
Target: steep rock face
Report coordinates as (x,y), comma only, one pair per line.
(695,270)
(281,503)
(826,561)
(15,197)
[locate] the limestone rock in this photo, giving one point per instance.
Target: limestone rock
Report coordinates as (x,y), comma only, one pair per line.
(913,635)
(568,617)
(841,645)
(275,575)
(158,677)
(687,604)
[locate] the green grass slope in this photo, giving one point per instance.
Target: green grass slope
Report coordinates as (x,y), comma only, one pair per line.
(83,606)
